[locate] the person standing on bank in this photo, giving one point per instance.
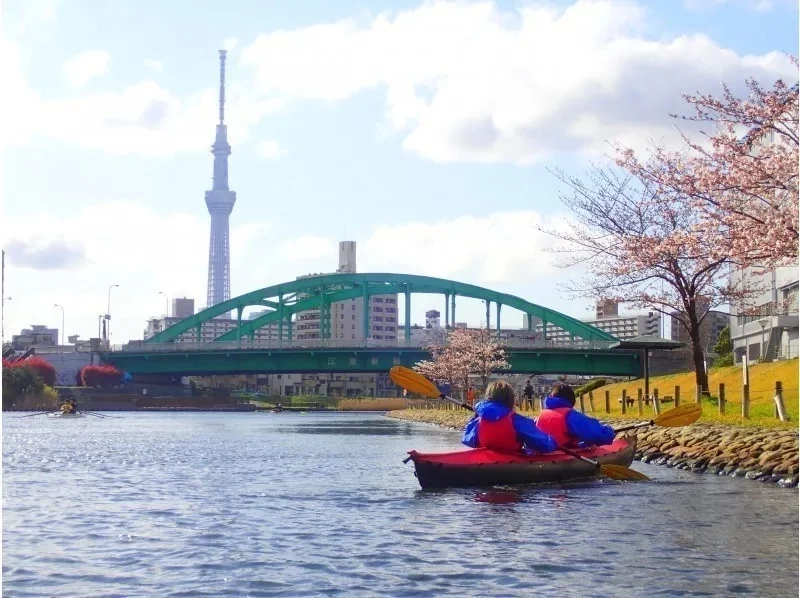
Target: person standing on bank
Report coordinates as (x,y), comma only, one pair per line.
(528,392)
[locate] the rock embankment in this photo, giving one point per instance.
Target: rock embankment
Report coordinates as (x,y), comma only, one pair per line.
(768,455)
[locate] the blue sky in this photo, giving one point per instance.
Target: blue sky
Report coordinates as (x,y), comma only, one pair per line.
(424,131)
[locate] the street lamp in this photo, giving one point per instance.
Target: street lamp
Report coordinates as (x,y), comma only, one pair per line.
(63,329)
(108,314)
(763,322)
(166,301)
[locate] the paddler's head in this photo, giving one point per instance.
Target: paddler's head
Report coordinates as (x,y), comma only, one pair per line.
(501,392)
(563,391)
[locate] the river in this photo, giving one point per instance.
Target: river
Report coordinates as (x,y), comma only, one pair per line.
(261,504)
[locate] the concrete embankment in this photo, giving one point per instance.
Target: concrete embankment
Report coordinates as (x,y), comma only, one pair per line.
(765,454)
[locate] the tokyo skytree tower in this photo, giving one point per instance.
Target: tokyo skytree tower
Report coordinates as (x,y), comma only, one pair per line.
(220,200)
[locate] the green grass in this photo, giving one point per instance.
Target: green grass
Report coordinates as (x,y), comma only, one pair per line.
(762,387)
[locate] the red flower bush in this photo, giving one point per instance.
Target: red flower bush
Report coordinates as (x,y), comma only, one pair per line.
(43,369)
(39,366)
(100,375)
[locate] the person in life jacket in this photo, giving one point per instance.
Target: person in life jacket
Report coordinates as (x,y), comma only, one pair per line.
(568,427)
(498,427)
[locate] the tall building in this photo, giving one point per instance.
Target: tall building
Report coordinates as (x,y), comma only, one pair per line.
(607,308)
(182,307)
(345,319)
(220,200)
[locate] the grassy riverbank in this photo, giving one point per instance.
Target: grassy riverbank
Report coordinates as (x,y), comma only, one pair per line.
(763,454)
(762,390)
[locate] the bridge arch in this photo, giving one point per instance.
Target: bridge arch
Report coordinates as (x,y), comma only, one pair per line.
(319,292)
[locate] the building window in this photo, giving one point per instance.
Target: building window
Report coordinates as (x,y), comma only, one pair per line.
(352,306)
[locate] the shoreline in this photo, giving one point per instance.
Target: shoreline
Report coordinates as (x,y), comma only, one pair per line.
(767,455)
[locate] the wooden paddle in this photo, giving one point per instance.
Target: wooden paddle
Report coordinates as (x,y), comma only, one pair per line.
(417,383)
(40,413)
(683,415)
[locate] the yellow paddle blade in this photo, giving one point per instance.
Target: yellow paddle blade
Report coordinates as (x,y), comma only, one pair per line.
(413,381)
(683,415)
(620,472)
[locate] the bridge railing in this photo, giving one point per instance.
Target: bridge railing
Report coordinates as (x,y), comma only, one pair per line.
(299,344)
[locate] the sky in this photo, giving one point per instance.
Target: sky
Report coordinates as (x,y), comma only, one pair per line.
(427,132)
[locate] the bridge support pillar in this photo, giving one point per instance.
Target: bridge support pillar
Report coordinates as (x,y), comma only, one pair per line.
(488,315)
(530,322)
(408,313)
(289,329)
(200,333)
(544,329)
(280,318)
(499,305)
(322,312)
(453,309)
(239,311)
(446,310)
(365,323)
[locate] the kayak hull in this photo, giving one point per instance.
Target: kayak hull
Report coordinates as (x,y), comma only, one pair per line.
(485,467)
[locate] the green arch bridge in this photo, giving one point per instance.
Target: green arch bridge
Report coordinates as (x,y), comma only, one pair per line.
(236,351)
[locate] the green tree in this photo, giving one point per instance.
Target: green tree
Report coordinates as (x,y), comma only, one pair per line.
(18,382)
(723,349)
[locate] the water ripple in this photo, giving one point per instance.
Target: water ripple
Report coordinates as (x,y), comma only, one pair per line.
(320,505)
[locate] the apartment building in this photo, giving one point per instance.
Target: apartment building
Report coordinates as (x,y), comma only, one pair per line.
(210,330)
(622,327)
(347,317)
(770,330)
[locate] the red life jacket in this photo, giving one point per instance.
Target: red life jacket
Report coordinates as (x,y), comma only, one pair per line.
(499,435)
(554,423)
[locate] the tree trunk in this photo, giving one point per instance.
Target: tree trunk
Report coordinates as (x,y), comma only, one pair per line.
(698,358)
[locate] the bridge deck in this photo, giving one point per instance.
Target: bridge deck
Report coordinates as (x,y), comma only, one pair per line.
(214,359)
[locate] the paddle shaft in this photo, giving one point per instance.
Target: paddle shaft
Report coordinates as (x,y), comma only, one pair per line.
(634,426)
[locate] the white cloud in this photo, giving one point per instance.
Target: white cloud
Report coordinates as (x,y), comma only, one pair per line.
(83,67)
(503,247)
(230,43)
(469,81)
(270,149)
(142,118)
(756,5)
(154,65)
(154,251)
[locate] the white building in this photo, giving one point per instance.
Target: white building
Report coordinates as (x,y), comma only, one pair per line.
(771,328)
(210,329)
(38,335)
(622,327)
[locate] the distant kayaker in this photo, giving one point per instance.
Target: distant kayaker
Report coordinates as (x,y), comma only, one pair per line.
(497,426)
(569,427)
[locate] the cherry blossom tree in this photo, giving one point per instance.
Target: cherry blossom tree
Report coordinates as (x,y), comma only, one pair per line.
(743,178)
(643,247)
(463,353)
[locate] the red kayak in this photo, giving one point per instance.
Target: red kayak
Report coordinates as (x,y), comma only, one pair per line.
(486,467)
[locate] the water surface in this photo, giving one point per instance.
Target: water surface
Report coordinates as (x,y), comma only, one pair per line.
(260,504)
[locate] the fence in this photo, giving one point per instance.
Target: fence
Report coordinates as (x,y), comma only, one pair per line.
(601,402)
